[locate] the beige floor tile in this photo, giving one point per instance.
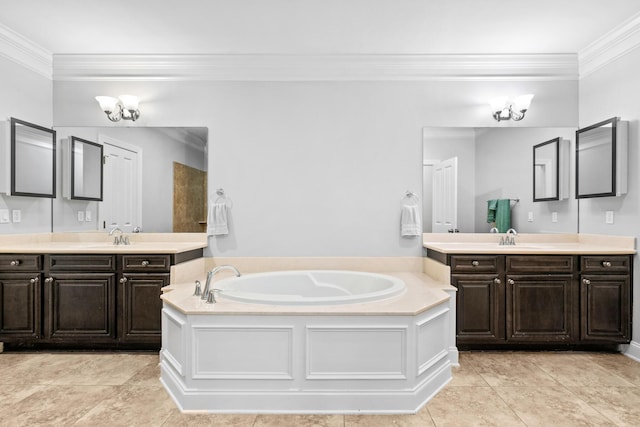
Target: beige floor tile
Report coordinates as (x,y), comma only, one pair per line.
(177,419)
(10,395)
(131,406)
(619,365)
(466,375)
(471,406)
(104,369)
(620,404)
(509,369)
(577,369)
(551,406)
(421,419)
(42,368)
(299,421)
(148,375)
(56,405)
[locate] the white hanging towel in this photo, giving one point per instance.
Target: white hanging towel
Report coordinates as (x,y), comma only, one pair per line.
(217,219)
(410,221)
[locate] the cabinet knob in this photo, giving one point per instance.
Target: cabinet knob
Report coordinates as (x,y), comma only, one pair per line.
(123,280)
(606,263)
(34,280)
(15,263)
(48,280)
(144,263)
(475,263)
(511,282)
(586,281)
(496,281)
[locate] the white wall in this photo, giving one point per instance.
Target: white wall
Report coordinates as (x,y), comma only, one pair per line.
(504,169)
(614,90)
(159,151)
(24,95)
(315,168)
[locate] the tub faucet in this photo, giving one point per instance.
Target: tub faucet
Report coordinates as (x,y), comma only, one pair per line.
(210,274)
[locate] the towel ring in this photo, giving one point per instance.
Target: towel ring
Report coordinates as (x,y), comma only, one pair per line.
(411,196)
(223,197)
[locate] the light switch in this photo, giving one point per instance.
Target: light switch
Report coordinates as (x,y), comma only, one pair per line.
(87,215)
(530,217)
(17,215)
(608,217)
(80,216)
(4,216)
(554,216)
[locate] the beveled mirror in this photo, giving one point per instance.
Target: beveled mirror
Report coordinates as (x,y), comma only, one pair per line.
(33,160)
(546,182)
(86,170)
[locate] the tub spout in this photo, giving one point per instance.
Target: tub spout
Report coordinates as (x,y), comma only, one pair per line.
(213,272)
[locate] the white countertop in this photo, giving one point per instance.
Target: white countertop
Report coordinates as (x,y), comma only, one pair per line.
(101,243)
(534,244)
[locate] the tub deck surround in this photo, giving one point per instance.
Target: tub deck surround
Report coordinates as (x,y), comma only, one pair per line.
(100,243)
(532,244)
(386,356)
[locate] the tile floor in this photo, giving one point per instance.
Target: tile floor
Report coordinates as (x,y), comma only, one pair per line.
(501,389)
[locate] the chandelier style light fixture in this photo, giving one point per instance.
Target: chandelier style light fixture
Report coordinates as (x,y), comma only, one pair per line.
(125,107)
(503,108)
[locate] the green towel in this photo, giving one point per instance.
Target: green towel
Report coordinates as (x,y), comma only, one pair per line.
(499,211)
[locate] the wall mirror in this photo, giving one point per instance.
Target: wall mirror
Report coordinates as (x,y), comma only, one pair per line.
(546,182)
(86,169)
(33,160)
(601,159)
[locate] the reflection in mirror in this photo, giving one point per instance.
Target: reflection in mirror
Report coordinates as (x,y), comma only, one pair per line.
(139,180)
(546,183)
(495,163)
(33,160)
(601,151)
(86,170)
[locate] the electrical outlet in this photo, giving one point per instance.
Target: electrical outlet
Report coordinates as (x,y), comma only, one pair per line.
(608,217)
(80,216)
(554,216)
(87,216)
(4,216)
(530,217)
(17,215)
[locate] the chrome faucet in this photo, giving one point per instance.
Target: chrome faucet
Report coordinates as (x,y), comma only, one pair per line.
(120,239)
(207,286)
(510,238)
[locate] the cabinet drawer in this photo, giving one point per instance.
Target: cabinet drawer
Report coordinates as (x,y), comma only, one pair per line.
(146,262)
(605,264)
(540,264)
(9,262)
(475,264)
(92,263)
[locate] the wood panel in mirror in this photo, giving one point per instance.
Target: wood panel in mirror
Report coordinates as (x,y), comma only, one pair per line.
(33,160)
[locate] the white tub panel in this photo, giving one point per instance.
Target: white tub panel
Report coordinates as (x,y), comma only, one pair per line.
(345,352)
(242,352)
(432,339)
(174,339)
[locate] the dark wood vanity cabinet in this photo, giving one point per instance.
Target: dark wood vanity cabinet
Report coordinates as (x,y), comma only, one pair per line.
(141,283)
(518,300)
(20,279)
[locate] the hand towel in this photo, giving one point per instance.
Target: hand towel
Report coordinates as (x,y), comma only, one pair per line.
(410,221)
(499,211)
(217,219)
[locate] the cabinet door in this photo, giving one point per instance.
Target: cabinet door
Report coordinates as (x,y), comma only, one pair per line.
(606,308)
(80,307)
(19,306)
(480,308)
(540,308)
(142,306)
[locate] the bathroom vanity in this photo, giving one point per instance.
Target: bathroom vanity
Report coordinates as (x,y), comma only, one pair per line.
(86,294)
(574,291)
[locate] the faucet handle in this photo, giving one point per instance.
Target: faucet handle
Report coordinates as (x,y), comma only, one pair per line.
(198,290)
(211,298)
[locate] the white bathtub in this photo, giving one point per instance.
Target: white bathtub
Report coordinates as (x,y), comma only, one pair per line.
(310,287)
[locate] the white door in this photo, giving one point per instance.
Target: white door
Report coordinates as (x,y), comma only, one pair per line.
(445,196)
(121,203)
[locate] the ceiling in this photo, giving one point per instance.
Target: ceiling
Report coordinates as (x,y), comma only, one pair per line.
(315,26)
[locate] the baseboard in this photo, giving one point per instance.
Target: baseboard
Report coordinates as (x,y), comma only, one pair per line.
(633,351)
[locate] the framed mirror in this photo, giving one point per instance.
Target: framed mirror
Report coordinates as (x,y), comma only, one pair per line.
(86,170)
(601,159)
(33,160)
(546,182)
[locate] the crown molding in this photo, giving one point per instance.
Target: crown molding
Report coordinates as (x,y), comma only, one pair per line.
(26,53)
(610,47)
(314,67)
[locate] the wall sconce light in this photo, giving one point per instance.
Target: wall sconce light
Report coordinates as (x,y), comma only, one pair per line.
(504,109)
(124,107)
